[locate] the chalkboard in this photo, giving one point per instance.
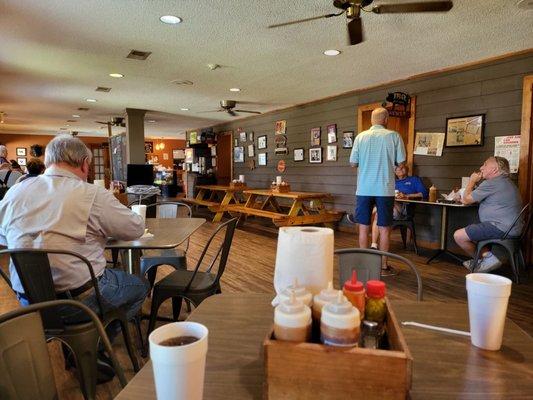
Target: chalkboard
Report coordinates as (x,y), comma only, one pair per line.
(118,156)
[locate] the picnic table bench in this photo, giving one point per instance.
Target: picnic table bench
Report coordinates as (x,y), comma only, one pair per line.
(212,196)
(263,203)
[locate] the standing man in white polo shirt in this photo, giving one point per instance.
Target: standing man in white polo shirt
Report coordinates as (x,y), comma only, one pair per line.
(375,153)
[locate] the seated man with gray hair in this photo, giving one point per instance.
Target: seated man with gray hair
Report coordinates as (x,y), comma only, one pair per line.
(499,205)
(60,210)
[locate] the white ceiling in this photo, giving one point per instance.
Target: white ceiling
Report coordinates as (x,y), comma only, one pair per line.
(54,53)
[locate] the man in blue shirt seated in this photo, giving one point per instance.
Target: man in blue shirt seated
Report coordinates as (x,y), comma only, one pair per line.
(407,187)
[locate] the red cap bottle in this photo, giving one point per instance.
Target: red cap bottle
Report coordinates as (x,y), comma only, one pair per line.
(375,289)
(355,293)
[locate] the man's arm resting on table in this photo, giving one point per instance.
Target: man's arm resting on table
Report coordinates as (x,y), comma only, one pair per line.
(118,221)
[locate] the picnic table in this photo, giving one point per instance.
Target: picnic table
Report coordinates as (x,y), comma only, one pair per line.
(213,196)
(307,208)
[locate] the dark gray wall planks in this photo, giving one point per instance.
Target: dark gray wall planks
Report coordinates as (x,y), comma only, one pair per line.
(494,89)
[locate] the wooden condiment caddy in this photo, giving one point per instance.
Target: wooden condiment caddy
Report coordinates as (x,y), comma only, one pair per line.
(281,188)
(316,371)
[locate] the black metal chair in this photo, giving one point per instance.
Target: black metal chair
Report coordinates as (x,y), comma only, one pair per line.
(511,245)
(406,223)
(176,258)
(25,368)
(33,269)
(194,285)
(367,263)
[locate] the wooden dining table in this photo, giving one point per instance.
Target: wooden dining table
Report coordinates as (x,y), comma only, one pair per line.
(445,366)
(167,233)
(305,207)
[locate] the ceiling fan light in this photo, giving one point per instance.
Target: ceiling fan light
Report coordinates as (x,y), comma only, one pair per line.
(116,75)
(184,109)
(170,19)
(332,52)
(91,100)
(234,89)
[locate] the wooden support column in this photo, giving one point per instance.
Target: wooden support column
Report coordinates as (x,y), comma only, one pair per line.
(135,135)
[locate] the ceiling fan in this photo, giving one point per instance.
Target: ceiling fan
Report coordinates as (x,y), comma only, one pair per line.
(229,105)
(115,121)
(353,8)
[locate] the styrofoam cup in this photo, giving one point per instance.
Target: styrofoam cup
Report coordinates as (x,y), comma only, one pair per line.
(488,295)
(179,370)
(241,178)
(139,209)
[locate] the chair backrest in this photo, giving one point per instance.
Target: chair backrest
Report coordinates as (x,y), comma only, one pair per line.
(526,217)
(35,274)
(25,368)
(221,251)
(367,263)
(171,209)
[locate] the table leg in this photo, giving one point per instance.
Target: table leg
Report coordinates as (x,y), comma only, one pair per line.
(134,261)
(322,210)
(225,201)
(443,248)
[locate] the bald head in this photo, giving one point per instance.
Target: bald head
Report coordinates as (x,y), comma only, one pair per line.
(380,116)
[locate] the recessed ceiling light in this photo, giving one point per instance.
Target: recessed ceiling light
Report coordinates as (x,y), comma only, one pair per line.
(75,116)
(235,89)
(170,19)
(116,75)
(332,52)
(151,121)
(184,109)
(91,100)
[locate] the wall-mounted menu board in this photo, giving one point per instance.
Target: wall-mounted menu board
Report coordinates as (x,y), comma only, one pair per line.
(118,148)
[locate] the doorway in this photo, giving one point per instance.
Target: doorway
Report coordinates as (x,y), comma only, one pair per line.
(224,158)
(404,126)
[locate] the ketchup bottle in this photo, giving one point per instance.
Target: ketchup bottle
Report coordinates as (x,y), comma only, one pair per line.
(355,293)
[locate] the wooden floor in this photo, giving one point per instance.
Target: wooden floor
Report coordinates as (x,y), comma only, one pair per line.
(250,269)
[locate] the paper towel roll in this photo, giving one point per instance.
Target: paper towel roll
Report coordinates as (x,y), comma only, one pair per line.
(304,253)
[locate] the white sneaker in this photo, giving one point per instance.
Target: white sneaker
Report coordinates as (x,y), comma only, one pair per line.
(489,263)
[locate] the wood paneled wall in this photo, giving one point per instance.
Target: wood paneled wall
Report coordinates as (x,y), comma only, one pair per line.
(493,88)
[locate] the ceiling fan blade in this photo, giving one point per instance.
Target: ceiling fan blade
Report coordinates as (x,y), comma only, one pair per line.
(232,113)
(209,111)
(355,31)
(247,111)
(304,20)
(430,6)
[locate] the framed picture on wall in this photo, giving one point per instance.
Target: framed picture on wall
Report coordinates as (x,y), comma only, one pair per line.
(332,153)
(315,155)
(315,136)
(262,142)
(21,161)
(251,150)
(464,131)
(332,133)
(262,159)
(21,151)
(250,136)
(347,139)
(281,127)
(298,154)
(242,136)
(238,154)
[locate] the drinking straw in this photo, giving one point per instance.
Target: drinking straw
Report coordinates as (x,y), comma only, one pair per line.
(435,328)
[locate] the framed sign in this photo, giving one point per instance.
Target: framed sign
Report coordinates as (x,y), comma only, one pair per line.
(262,159)
(238,154)
(21,161)
(251,150)
(315,155)
(262,142)
(465,131)
(332,153)
(281,127)
(315,136)
(347,139)
(21,151)
(332,133)
(298,154)
(149,147)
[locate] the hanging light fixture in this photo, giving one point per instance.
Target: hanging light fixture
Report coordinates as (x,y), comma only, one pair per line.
(161,144)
